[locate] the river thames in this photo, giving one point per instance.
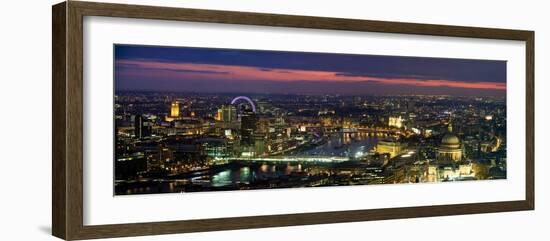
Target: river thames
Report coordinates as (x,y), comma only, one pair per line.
(250,174)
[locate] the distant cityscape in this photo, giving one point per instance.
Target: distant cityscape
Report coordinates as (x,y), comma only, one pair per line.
(191,119)
(187,142)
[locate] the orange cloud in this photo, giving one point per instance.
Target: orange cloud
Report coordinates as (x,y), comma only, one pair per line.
(228,72)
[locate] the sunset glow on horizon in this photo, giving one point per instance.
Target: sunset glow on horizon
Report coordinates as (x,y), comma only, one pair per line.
(141,68)
(184,71)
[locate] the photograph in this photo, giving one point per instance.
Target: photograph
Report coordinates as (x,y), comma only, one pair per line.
(194,119)
(273,120)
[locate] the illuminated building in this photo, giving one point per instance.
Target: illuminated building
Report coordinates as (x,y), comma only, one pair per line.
(174,111)
(446,172)
(141,127)
(288,132)
(432,175)
(347,123)
(492,145)
(395,122)
(219,148)
(428,133)
(450,148)
(465,169)
(389,146)
(188,126)
(219,115)
(326,121)
(228,113)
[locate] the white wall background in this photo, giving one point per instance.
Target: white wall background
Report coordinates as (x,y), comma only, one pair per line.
(25,120)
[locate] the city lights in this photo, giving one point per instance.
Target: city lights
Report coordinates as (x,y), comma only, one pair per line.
(226,145)
(202,119)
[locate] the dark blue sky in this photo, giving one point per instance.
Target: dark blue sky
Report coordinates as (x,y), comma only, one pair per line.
(258,71)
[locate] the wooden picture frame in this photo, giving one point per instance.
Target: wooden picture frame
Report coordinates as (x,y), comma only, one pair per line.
(67,124)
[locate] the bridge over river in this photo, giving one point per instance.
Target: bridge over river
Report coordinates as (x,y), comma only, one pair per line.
(325,159)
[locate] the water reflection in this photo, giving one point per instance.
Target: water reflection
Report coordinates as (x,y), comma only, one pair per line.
(239,175)
(342,145)
(222,179)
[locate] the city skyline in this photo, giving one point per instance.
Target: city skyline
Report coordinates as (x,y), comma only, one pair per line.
(207,70)
(202,119)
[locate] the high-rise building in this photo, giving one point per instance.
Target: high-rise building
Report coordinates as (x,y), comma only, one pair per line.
(175,109)
(219,114)
(229,113)
(248,127)
(141,127)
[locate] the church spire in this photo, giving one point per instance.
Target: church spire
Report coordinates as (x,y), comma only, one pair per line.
(450,125)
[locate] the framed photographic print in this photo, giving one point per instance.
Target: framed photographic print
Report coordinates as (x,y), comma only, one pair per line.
(170,120)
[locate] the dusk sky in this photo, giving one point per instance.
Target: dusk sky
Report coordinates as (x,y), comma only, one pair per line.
(209,70)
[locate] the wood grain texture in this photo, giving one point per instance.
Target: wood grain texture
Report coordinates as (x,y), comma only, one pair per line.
(59,192)
(530,120)
(263,19)
(67,78)
(74,121)
(155,228)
